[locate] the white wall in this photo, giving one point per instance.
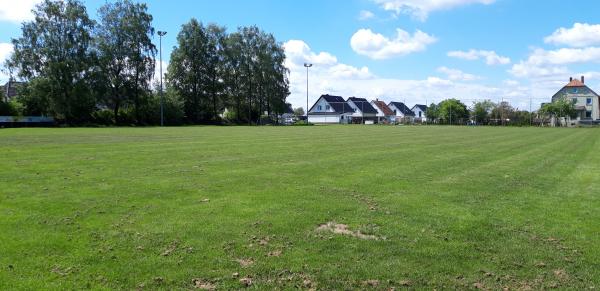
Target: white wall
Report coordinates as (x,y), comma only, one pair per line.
(334,118)
(321,102)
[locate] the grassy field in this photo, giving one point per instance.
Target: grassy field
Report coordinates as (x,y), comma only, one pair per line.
(323,207)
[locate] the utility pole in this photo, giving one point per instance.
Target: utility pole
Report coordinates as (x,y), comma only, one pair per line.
(307,65)
(162,101)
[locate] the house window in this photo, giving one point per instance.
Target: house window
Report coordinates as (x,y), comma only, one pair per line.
(588,101)
(327,107)
(420,113)
(320,107)
(588,114)
(574,100)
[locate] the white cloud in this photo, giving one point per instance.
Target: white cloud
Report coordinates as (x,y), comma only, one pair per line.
(564,56)
(379,47)
(6,50)
(491,57)
(457,75)
(420,9)
(17,11)
(580,35)
(365,15)
(346,80)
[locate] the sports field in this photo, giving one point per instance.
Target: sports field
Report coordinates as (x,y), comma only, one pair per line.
(321,207)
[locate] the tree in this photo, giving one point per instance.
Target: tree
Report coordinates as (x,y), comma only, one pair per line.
(194,69)
(559,108)
(452,111)
(433,112)
(56,49)
(299,111)
(126,54)
(503,112)
(482,110)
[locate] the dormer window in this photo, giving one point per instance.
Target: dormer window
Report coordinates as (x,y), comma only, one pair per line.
(327,107)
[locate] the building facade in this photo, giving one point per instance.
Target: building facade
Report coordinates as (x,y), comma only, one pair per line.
(587,102)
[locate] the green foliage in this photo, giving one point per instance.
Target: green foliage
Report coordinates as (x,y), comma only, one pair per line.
(299,111)
(433,112)
(126,56)
(482,110)
(452,111)
(56,47)
(559,108)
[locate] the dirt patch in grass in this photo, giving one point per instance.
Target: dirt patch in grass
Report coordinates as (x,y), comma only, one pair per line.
(203,284)
(245,262)
(338,228)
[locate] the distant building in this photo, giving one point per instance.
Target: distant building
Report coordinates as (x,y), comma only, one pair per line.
(363,110)
(420,112)
(402,112)
(330,109)
(384,113)
(587,102)
(10,89)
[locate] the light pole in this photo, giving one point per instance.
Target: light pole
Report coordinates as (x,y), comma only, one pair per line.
(162,102)
(307,65)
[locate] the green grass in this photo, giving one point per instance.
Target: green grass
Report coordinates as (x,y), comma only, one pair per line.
(453,207)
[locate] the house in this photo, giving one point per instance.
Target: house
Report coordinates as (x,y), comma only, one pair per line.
(401,111)
(420,112)
(587,102)
(384,113)
(330,109)
(363,110)
(9,89)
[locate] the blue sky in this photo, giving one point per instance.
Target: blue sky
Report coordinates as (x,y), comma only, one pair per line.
(406,50)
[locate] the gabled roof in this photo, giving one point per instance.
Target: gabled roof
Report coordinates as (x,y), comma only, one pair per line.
(421,107)
(363,105)
(575,83)
(384,108)
(403,108)
(337,103)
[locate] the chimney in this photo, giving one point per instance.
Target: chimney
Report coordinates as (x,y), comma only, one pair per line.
(583,79)
(571,79)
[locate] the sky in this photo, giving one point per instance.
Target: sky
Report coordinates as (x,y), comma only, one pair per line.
(412,51)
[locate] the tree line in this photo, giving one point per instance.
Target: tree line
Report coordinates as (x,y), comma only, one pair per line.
(486,112)
(80,70)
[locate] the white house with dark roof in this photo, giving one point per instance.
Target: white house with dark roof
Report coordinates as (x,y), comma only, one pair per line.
(420,112)
(401,111)
(587,102)
(363,110)
(330,110)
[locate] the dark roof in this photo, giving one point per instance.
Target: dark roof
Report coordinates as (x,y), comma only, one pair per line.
(422,107)
(403,108)
(363,105)
(384,108)
(338,104)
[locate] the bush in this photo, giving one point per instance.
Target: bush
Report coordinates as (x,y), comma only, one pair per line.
(12,108)
(302,123)
(103,117)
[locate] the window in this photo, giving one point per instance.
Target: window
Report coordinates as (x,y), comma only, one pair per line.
(589,101)
(588,114)
(327,107)
(574,100)
(575,90)
(320,108)
(420,113)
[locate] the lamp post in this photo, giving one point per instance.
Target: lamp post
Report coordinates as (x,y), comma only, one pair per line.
(162,102)
(307,65)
